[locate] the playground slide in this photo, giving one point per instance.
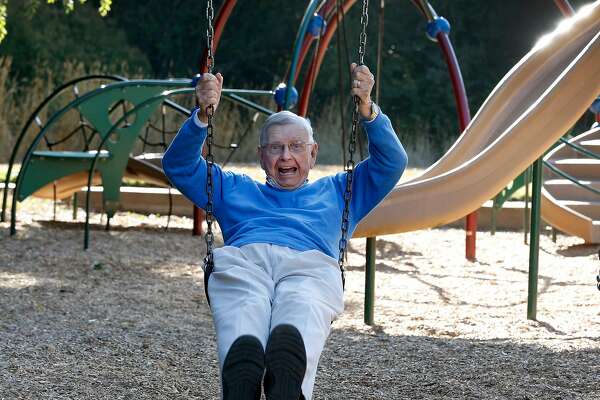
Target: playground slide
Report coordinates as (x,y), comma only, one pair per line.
(567,220)
(137,168)
(147,170)
(548,103)
(66,186)
(559,204)
(518,90)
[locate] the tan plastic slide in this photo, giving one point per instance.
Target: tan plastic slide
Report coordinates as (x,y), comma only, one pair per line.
(531,107)
(137,168)
(567,220)
(562,216)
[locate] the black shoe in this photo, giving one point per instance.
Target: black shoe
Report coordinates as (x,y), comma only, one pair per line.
(243,369)
(285,361)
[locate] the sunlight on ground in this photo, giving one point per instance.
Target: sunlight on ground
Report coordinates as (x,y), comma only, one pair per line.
(17,280)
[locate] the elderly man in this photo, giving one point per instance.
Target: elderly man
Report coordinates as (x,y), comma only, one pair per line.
(276,285)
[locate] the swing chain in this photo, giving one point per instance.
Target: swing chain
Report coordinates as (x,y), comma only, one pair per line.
(598,276)
(364,20)
(210,33)
(209,237)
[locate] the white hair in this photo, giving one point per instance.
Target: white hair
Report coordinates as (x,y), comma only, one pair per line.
(285,118)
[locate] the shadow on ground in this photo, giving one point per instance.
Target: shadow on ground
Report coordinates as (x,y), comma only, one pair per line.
(376,365)
(128,319)
(579,250)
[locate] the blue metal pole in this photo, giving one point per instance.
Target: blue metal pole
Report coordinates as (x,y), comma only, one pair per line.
(310,10)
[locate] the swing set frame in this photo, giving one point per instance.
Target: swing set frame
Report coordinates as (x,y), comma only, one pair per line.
(333,12)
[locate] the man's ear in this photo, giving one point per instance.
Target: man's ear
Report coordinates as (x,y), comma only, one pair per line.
(313,154)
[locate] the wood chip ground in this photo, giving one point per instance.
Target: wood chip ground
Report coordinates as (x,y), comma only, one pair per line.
(128,319)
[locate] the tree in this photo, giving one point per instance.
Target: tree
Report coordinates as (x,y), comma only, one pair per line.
(32,6)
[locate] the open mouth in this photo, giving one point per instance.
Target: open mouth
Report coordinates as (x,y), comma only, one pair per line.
(287,171)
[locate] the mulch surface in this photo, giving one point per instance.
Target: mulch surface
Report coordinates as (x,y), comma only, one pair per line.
(127,319)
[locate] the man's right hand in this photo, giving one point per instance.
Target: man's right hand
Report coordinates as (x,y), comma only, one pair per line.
(208,92)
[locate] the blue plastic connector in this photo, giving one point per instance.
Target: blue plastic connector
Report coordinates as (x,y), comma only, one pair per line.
(280,93)
(195,80)
(316,25)
(595,107)
(439,24)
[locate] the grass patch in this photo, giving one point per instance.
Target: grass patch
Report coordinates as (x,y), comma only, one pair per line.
(4,171)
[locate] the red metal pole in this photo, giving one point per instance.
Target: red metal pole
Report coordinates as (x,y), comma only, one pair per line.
(308,42)
(464,117)
(460,95)
(314,68)
(303,52)
(327,7)
(220,21)
(325,10)
(565,7)
(306,90)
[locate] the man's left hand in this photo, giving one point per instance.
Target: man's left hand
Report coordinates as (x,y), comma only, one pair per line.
(362,84)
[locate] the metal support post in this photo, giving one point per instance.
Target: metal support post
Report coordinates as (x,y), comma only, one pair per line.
(534,240)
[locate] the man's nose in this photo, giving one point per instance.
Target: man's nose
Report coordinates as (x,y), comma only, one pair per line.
(285,153)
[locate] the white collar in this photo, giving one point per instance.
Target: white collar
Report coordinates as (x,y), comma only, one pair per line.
(273,183)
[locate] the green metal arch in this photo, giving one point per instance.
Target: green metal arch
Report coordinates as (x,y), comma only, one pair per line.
(76,103)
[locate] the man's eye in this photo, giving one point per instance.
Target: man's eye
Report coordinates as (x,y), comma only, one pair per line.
(296,146)
(274,147)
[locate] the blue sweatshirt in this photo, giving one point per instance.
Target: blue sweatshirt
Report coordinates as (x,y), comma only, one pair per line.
(306,218)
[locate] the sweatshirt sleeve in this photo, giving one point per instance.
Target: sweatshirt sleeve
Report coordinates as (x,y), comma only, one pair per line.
(186,168)
(377,175)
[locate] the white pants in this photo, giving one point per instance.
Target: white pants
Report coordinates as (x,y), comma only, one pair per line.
(256,287)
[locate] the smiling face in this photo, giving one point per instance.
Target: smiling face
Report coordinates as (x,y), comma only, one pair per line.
(288,155)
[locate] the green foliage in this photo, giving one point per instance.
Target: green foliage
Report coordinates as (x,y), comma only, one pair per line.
(69,5)
(104,7)
(82,36)
(2,20)
(160,39)
(32,6)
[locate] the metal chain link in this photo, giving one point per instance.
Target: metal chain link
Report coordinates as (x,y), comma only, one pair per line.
(364,20)
(598,276)
(210,33)
(209,237)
